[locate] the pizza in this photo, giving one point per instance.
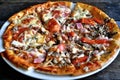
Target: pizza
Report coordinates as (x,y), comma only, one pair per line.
(54,38)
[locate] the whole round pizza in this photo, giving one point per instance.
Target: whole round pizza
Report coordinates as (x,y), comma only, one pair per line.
(54,38)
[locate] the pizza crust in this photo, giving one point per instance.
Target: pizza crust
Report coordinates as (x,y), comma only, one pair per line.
(55,70)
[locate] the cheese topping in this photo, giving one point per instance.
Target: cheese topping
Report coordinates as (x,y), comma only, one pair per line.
(17,44)
(47,16)
(81,13)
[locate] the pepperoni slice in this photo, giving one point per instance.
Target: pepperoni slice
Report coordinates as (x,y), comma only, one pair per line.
(53,26)
(56,13)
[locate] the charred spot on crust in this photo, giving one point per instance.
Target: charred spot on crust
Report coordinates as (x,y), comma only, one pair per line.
(107,20)
(111,34)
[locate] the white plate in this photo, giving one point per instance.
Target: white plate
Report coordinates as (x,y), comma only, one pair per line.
(37,75)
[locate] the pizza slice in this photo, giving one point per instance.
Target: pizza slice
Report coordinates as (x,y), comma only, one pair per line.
(55,14)
(25,41)
(99,35)
(22,37)
(54,17)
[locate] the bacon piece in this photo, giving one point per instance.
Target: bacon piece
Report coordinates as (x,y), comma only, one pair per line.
(96,41)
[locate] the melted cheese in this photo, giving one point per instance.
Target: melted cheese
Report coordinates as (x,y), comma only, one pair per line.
(32,22)
(44,30)
(36,53)
(17,21)
(81,55)
(40,38)
(98,54)
(47,16)
(63,9)
(17,44)
(61,19)
(74,50)
(86,69)
(80,13)
(50,43)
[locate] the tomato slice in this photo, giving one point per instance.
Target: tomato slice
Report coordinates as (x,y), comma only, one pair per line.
(87,21)
(79,60)
(72,33)
(97,41)
(101,41)
(90,21)
(98,20)
(86,40)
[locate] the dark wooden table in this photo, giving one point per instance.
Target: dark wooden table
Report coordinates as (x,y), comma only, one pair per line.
(9,7)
